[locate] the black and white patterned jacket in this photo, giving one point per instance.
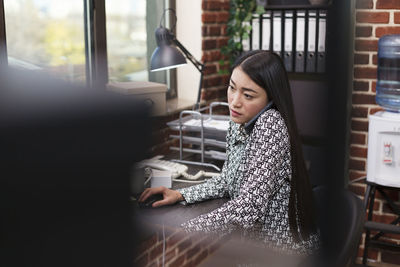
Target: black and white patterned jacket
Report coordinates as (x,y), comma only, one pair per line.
(256,176)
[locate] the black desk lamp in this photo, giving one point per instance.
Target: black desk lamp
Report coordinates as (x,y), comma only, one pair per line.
(168,56)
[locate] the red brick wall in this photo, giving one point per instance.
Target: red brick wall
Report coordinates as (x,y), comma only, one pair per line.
(214,19)
(181,249)
(374,18)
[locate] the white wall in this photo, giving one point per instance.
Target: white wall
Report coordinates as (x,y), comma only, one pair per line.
(188,31)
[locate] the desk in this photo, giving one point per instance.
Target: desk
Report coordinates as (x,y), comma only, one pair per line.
(159,228)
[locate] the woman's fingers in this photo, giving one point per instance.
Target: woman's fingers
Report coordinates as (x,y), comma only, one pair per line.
(151,191)
(163,202)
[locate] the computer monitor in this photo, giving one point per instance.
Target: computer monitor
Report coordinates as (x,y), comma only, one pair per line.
(66,152)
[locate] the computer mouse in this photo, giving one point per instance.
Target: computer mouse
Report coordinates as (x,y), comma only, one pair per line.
(150,200)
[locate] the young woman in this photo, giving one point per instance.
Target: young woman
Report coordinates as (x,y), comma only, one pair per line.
(264,174)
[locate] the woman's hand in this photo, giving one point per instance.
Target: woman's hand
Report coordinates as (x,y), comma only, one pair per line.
(169,196)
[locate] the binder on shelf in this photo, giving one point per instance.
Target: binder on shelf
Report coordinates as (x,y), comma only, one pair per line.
(255,32)
(288,43)
(266,31)
(277,33)
(300,39)
(312,31)
(321,42)
(246,41)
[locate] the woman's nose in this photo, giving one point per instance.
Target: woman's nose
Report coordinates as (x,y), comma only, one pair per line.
(236,100)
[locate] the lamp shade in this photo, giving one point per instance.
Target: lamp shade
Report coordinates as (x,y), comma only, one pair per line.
(166,55)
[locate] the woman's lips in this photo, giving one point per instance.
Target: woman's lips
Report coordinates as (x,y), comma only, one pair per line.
(235,113)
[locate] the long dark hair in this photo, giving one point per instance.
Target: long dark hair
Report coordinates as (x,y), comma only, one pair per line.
(267,70)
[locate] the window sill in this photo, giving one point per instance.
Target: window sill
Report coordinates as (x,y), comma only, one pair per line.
(176,105)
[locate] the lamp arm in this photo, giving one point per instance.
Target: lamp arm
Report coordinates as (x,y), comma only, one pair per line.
(199,66)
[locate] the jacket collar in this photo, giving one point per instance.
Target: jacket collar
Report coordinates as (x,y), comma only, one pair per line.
(250,125)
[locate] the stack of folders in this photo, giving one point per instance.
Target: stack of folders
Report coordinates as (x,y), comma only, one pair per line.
(297,36)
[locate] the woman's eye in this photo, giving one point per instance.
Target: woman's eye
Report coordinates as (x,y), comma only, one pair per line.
(231,87)
(247,96)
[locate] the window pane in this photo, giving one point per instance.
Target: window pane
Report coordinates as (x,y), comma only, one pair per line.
(130,39)
(46,35)
(127,40)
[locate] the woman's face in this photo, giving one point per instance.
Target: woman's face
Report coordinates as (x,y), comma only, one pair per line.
(246,99)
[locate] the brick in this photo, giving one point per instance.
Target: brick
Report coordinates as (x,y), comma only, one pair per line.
(153,264)
(387,209)
(387,4)
(209,56)
(361,58)
(372,17)
(209,17)
(156,251)
(380,31)
(212,5)
(373,86)
(170,256)
(222,42)
(178,262)
(374,110)
(364,4)
(200,258)
(392,194)
(384,218)
(397,17)
(223,16)
(363,31)
(204,31)
(188,264)
(365,72)
(359,112)
(174,239)
(142,260)
(359,152)
(214,30)
(192,252)
(366,45)
(358,138)
(361,126)
(356,164)
(210,69)
(212,81)
(363,99)
(360,86)
(375,59)
(390,257)
(184,245)
(209,44)
(224,30)
(146,245)
(357,189)
(356,174)
(372,253)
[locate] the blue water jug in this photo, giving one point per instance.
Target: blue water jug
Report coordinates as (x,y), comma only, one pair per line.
(388,85)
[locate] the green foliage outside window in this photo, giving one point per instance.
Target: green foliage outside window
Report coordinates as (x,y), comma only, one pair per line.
(240,11)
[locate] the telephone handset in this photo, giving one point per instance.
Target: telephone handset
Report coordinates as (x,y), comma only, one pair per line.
(175,168)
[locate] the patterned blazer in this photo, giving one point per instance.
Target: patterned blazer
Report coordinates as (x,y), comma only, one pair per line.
(256,176)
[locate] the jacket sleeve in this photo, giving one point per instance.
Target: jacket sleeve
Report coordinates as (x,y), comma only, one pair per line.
(268,150)
(216,187)
(213,188)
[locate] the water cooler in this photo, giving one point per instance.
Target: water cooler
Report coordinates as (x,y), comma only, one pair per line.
(383,164)
(383,169)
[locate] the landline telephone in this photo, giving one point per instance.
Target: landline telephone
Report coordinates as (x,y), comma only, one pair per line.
(175,168)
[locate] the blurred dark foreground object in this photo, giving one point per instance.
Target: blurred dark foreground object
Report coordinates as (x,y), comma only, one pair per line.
(65,154)
(340,218)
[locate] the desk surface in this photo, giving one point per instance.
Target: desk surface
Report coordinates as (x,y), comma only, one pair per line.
(148,219)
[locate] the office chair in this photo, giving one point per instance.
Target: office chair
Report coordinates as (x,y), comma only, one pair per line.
(340,219)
